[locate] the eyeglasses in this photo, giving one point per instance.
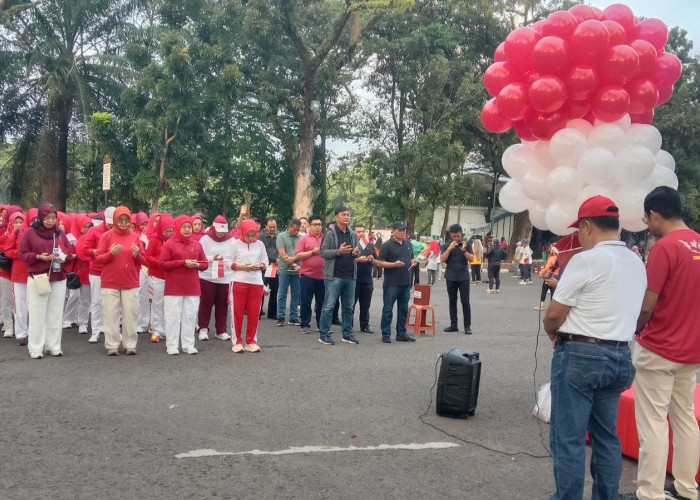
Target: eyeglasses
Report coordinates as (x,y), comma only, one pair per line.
(123,222)
(316,224)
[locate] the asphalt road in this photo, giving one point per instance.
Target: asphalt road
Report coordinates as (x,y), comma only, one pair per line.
(88,426)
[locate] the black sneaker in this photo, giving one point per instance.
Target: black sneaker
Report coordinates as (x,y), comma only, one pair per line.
(405,338)
(306,329)
(351,340)
(326,340)
(22,341)
(467,330)
(451,329)
(296,322)
(386,340)
(671,491)
(280,322)
(366,330)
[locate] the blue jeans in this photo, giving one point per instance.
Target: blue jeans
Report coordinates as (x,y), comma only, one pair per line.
(311,289)
(587,380)
(288,281)
(400,295)
(345,289)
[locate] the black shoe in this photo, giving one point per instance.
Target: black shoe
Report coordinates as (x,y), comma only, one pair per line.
(22,341)
(671,491)
(386,340)
(467,330)
(337,322)
(405,339)
(451,329)
(280,322)
(366,330)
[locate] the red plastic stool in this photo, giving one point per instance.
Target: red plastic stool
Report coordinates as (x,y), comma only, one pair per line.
(421,306)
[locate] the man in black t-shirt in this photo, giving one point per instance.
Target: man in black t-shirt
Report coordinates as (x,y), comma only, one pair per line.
(269,239)
(396,258)
(457,254)
(364,287)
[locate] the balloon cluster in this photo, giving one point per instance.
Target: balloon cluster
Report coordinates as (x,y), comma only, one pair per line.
(620,160)
(581,63)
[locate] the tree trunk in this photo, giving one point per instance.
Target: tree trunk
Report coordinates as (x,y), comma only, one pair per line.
(323,209)
(445,219)
(522,228)
(303,190)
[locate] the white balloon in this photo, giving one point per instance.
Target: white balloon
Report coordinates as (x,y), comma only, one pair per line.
(590,192)
(535,183)
(624,123)
(607,136)
(537,213)
(583,126)
(665,159)
(567,146)
(644,135)
(633,225)
(559,215)
(564,182)
(597,166)
(508,151)
(512,197)
(542,155)
(661,176)
(519,161)
(630,201)
(633,165)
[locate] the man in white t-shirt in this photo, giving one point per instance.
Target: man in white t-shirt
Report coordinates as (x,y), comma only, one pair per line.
(591,320)
(525,262)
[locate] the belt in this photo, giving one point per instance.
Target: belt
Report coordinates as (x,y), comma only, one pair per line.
(584,339)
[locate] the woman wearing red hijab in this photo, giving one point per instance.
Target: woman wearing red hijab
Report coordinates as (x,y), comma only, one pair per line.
(156,276)
(18,277)
(81,225)
(248,257)
(182,258)
(197,227)
(45,248)
(139,221)
(120,252)
(434,264)
(6,297)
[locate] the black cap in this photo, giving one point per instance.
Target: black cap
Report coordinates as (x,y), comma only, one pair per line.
(399,224)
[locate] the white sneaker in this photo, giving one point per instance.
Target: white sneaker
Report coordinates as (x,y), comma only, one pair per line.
(173,352)
(204,334)
(238,348)
(82,330)
(190,350)
(223,336)
(522,282)
(94,338)
(252,348)
(8,334)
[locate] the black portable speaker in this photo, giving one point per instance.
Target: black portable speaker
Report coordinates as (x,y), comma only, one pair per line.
(458,384)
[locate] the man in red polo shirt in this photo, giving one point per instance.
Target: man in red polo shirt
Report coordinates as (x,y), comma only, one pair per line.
(667,359)
(308,253)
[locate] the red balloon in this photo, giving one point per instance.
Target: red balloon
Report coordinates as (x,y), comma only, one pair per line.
(519,45)
(583,13)
(538,26)
(665,94)
(545,125)
(523,131)
(617,32)
(619,65)
(653,31)
(575,109)
(550,55)
(667,70)
(643,95)
(547,94)
(498,75)
(623,15)
(560,23)
(581,81)
(500,54)
(647,117)
(610,103)
(492,119)
(647,56)
(589,41)
(512,101)
(532,76)
(598,13)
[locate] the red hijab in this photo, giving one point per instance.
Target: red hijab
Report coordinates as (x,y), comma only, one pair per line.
(247,226)
(166,221)
(180,221)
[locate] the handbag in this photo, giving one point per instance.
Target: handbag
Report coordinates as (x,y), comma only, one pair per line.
(41,283)
(73,281)
(5,262)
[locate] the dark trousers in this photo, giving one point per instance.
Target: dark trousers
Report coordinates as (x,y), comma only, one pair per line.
(463,288)
(494,276)
(527,271)
(213,295)
(520,268)
(363,294)
(274,284)
(399,295)
(476,272)
(414,274)
(545,288)
(377,272)
(311,289)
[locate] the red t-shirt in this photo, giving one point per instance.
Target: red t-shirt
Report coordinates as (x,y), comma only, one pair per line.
(311,267)
(673,271)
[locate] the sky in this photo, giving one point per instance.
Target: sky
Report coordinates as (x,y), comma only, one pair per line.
(682,13)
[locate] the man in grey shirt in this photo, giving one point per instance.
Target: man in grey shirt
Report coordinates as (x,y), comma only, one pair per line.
(288,274)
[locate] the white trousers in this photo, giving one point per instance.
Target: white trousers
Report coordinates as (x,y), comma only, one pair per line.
(21,310)
(96,304)
(45,317)
(70,310)
(115,302)
(157,289)
(144,316)
(180,320)
(6,303)
(84,300)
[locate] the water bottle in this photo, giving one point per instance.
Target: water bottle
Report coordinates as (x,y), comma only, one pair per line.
(55,265)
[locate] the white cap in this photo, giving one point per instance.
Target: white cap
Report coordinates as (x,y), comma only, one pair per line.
(109,215)
(220,227)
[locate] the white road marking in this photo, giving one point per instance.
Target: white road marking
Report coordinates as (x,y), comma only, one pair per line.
(320,449)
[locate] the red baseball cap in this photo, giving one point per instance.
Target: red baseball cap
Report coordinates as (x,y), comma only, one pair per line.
(597,206)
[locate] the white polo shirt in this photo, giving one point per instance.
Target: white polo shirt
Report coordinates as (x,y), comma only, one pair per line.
(604,287)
